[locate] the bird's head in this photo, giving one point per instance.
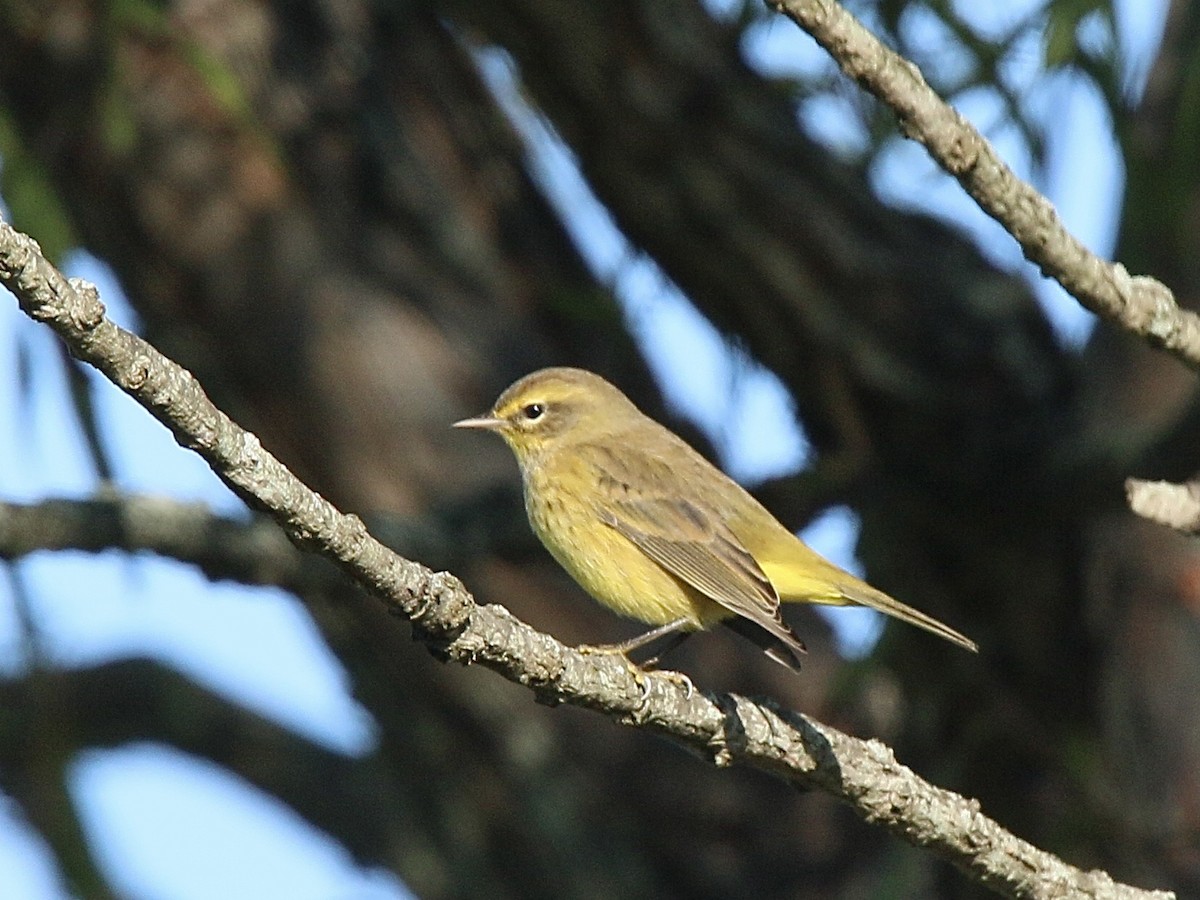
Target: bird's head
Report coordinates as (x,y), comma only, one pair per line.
(553,408)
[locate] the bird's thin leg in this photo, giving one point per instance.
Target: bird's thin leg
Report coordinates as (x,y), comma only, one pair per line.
(676,632)
(672,641)
(625,647)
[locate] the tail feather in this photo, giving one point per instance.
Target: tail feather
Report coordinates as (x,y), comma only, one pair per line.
(865,595)
(801,575)
(783,647)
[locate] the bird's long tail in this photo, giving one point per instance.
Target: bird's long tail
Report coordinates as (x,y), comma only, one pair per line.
(804,576)
(865,595)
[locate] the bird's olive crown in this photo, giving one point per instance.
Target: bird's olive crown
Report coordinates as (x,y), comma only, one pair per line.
(552,402)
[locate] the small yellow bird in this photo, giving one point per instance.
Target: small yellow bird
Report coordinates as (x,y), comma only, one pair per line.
(654,531)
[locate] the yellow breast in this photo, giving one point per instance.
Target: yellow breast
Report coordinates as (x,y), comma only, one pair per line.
(561,508)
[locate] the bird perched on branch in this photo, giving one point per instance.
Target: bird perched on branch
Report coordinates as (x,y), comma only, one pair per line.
(654,531)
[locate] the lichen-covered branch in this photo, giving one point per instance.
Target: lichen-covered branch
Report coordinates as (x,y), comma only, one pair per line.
(727,728)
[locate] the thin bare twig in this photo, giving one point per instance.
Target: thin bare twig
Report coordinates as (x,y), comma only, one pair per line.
(1138,304)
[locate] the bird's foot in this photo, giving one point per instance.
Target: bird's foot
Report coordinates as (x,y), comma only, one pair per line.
(639,671)
(680,680)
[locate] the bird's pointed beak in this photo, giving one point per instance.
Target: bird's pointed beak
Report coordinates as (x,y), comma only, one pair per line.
(487,423)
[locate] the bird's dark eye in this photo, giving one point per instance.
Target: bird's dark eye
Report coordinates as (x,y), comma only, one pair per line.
(533,411)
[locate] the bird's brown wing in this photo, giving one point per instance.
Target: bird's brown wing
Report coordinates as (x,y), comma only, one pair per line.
(700,550)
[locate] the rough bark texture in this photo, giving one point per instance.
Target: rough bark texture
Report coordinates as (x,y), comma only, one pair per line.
(320,211)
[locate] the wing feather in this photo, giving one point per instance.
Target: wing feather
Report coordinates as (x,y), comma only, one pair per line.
(689,540)
(704,554)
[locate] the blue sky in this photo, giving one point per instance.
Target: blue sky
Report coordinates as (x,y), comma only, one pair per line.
(173,827)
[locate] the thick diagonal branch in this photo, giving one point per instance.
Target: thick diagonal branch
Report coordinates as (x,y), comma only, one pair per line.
(729,729)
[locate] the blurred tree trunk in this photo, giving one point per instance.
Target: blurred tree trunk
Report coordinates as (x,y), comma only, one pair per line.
(322,212)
